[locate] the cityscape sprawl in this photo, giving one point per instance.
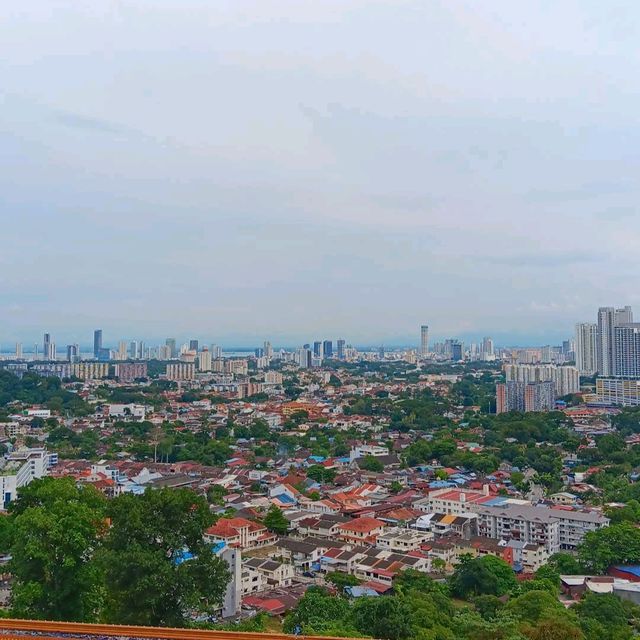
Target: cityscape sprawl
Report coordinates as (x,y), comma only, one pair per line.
(330,488)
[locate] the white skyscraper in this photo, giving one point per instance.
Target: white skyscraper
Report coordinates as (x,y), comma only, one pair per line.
(487,350)
(424,340)
(608,319)
(587,348)
(204,360)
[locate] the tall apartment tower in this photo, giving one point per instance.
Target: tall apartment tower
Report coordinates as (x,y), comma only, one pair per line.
(170,343)
(424,340)
(487,349)
(327,349)
(48,348)
(73,353)
(340,348)
(97,342)
(627,350)
(608,319)
(587,348)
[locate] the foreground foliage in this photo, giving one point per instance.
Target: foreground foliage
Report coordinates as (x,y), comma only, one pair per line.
(133,560)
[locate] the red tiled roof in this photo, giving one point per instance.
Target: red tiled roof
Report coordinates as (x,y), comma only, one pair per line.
(362,525)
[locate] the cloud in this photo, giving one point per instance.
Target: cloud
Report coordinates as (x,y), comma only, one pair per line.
(544,259)
(88,123)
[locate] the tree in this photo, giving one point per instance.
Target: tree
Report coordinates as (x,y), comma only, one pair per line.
(317,612)
(56,530)
(616,544)
(157,567)
(396,487)
(275,521)
(554,630)
(565,564)
(321,474)
(535,605)
(216,493)
(485,575)
(605,608)
(341,580)
(371,463)
(387,618)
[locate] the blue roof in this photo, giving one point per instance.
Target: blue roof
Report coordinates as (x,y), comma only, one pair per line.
(358,591)
(317,458)
(283,497)
(184,555)
(497,501)
(633,569)
(441,484)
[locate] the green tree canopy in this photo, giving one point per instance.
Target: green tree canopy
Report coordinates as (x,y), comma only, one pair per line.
(56,529)
(484,575)
(275,520)
(148,579)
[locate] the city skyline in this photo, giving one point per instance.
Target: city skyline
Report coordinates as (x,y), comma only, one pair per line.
(245,165)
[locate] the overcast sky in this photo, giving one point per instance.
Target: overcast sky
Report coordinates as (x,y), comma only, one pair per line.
(248,169)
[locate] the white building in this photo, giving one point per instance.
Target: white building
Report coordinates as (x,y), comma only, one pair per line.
(587,348)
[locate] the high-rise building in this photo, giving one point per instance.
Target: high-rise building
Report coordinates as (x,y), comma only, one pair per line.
(122,350)
(303,357)
(509,396)
(193,345)
(340,349)
(268,349)
(129,371)
(539,396)
(608,319)
(97,342)
(216,351)
(522,396)
(487,349)
(618,391)
(546,354)
(566,379)
(327,349)
(181,371)
(627,350)
(133,350)
(73,353)
(317,349)
(49,348)
(204,360)
(18,350)
(171,343)
(424,341)
(586,348)
(457,350)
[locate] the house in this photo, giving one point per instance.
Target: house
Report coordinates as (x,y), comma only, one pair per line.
(564,497)
(239,532)
(361,530)
(324,526)
(403,540)
(276,574)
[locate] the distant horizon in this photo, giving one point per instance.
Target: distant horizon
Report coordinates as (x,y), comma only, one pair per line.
(7,348)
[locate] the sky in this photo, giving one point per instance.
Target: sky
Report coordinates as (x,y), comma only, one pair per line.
(238,170)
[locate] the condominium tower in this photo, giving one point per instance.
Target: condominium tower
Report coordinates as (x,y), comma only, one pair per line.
(587,348)
(424,340)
